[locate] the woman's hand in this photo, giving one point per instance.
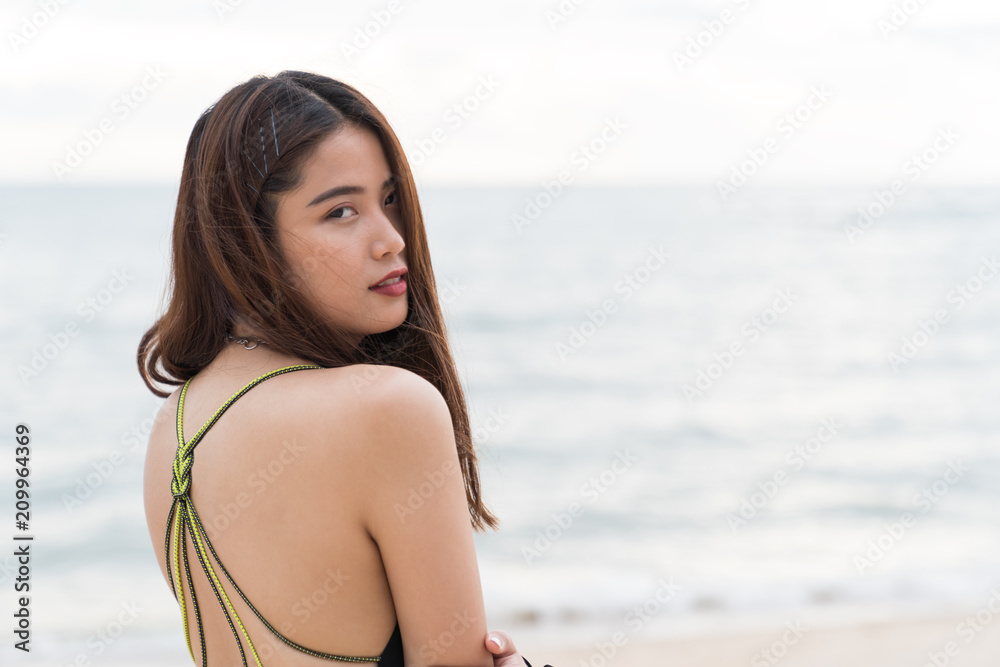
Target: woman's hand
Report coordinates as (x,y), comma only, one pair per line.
(504,653)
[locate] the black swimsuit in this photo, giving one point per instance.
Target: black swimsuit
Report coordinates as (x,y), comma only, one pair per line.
(183,520)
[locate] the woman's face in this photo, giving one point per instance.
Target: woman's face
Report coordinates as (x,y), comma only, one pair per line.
(341,231)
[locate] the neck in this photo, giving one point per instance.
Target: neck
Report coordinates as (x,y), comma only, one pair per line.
(260,354)
(242,330)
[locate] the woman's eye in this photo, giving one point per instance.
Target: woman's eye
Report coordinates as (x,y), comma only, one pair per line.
(333,213)
(341,211)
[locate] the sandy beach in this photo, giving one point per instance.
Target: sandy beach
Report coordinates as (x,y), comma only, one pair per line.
(935,642)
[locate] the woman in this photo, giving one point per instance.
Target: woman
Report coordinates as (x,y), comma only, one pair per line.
(330,514)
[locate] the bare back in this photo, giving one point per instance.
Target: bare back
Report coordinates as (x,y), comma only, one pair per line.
(294,544)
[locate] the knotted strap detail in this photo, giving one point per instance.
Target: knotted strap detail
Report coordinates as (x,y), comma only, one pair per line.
(184,460)
(183,521)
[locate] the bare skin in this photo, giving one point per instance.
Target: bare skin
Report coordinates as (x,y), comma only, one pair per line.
(301,483)
(501,645)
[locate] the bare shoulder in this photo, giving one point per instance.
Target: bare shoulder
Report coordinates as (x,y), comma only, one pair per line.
(382,417)
(374,398)
(404,417)
(413,505)
(374,384)
(392,456)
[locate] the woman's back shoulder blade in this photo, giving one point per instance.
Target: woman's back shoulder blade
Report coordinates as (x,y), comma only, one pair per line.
(371,396)
(372,421)
(405,473)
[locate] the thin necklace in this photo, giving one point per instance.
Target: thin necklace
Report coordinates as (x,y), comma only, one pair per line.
(255,341)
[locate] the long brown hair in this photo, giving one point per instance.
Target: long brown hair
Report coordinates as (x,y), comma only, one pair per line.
(244,151)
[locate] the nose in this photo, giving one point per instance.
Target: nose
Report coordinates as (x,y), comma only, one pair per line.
(387,236)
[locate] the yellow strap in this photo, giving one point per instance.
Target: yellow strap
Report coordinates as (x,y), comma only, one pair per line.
(179,584)
(211,571)
(180,488)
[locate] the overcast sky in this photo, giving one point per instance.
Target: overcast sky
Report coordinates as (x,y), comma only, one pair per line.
(872,86)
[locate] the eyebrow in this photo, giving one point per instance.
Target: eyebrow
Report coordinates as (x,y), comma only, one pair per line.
(347,190)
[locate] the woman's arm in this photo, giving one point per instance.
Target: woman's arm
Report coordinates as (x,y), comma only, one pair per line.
(416,511)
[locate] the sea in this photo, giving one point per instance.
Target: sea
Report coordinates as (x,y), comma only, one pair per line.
(693,416)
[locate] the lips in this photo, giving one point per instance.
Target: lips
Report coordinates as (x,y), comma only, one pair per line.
(390,278)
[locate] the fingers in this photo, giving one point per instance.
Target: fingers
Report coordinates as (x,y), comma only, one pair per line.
(505,647)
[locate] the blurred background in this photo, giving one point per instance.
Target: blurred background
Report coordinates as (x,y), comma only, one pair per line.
(719,278)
